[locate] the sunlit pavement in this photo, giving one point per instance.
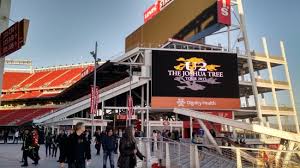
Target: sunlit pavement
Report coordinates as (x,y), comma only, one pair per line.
(11,154)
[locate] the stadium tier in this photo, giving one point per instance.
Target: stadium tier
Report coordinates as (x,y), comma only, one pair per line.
(17,117)
(46,82)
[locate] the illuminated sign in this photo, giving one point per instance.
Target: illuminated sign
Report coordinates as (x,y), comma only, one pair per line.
(197,80)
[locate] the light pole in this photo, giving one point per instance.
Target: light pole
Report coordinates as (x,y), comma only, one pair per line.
(94,54)
(131,108)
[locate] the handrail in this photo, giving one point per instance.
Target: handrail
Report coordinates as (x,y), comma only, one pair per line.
(231,156)
(118,83)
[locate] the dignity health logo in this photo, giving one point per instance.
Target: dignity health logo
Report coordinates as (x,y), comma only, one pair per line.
(193,71)
(181,102)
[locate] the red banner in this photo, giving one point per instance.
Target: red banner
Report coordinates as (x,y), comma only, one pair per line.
(92,111)
(130,107)
(97,98)
(94,99)
(224,12)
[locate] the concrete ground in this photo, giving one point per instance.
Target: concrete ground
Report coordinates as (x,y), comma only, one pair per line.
(11,154)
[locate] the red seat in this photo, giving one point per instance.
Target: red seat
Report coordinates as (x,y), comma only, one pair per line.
(13,78)
(10,96)
(31,94)
(33,78)
(16,117)
(30,85)
(70,75)
(47,78)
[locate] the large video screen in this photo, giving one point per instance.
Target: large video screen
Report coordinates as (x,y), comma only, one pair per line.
(197,80)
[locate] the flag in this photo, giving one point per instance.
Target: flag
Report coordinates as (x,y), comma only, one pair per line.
(94,99)
(130,107)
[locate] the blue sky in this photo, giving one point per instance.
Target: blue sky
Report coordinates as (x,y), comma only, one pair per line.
(64,31)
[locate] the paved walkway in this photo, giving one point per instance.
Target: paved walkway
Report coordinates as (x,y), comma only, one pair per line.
(10,157)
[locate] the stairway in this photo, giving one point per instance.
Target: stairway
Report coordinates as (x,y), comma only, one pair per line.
(180,155)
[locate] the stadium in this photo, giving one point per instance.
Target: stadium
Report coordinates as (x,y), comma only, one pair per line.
(169,78)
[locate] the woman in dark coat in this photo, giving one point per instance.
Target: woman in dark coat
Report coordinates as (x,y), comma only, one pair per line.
(128,150)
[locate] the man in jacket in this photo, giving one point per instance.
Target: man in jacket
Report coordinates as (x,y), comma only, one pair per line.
(28,148)
(78,149)
(108,144)
(62,142)
(98,141)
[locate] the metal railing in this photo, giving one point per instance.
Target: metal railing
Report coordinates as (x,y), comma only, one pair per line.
(169,153)
(116,84)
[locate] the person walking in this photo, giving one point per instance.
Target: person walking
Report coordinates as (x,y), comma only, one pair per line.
(78,149)
(116,141)
(28,148)
(5,136)
(16,137)
(25,147)
(108,144)
(35,146)
(88,136)
(62,141)
(128,150)
(97,142)
(48,144)
(154,140)
(54,145)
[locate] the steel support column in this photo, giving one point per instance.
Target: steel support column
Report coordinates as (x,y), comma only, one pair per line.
(274,96)
(290,86)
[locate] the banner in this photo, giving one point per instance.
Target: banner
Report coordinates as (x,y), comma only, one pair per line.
(94,99)
(196,80)
(97,99)
(130,107)
(224,12)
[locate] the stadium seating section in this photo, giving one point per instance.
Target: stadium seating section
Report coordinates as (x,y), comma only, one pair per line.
(25,85)
(17,117)
(11,78)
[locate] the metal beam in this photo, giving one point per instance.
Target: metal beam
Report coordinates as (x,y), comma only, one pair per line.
(209,136)
(124,108)
(85,103)
(237,124)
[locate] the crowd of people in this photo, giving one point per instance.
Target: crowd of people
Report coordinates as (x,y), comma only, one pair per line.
(7,135)
(75,147)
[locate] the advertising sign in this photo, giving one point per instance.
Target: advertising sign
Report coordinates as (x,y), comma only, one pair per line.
(155,9)
(196,80)
(187,20)
(13,38)
(224,12)
(125,117)
(151,12)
